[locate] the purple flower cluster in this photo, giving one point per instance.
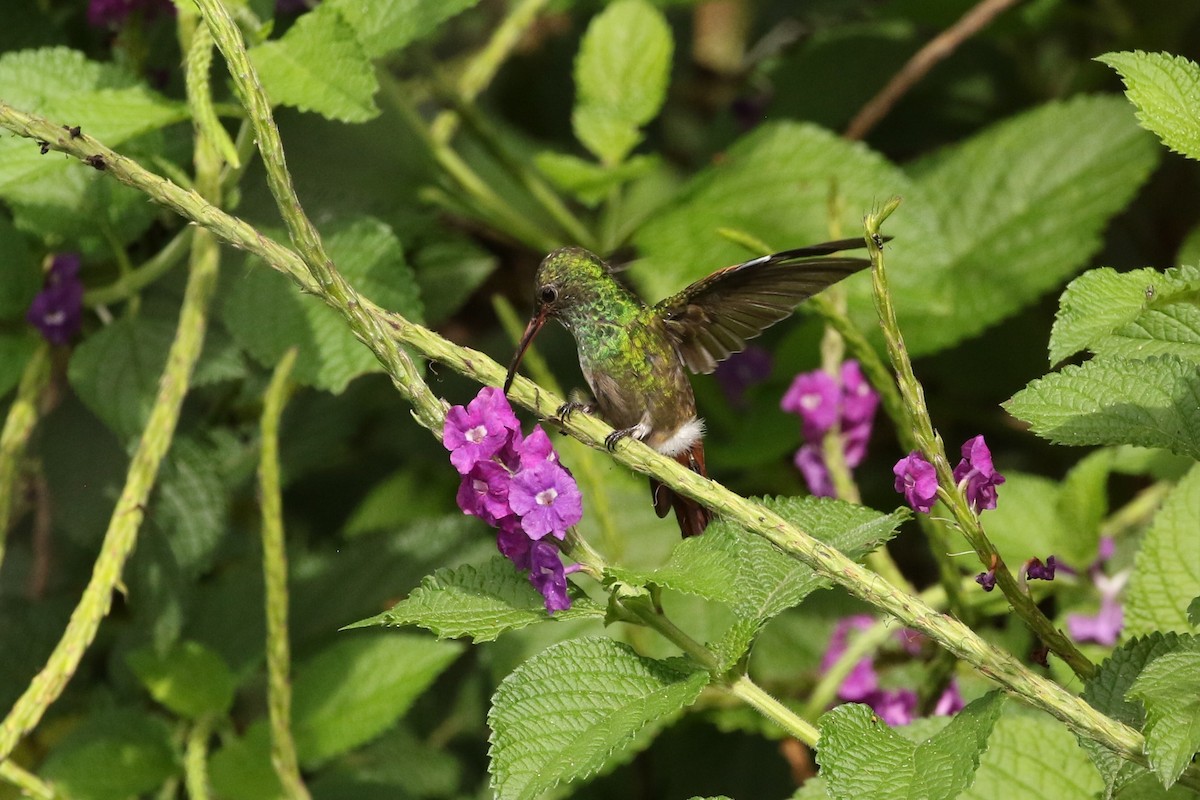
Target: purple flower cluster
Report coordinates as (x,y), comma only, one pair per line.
(113,13)
(57,310)
(742,370)
(916,478)
(894,706)
(1103,627)
(823,401)
(515,484)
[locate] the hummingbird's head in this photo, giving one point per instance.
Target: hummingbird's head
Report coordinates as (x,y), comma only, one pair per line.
(562,281)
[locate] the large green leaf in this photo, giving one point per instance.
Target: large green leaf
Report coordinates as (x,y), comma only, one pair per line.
(1136,314)
(565,712)
(189,679)
(267,314)
(1031,755)
(1164,89)
(385,26)
(986,228)
(860,756)
(1170,688)
(621,77)
(61,84)
(1166,573)
(478,602)
(112,755)
(319,65)
(357,688)
(20,274)
(1151,403)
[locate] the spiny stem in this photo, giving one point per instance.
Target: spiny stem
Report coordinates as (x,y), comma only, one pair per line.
(195,758)
(18,426)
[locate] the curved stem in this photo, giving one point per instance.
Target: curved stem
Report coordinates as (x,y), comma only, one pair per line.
(18,426)
(195,758)
(138,278)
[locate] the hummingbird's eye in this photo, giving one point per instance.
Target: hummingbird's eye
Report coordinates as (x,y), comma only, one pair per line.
(548,294)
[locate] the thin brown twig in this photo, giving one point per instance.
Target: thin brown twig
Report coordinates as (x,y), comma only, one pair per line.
(922,61)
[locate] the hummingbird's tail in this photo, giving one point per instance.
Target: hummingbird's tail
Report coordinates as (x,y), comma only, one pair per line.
(692,517)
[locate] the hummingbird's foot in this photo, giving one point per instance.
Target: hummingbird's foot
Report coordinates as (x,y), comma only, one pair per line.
(568,408)
(638,431)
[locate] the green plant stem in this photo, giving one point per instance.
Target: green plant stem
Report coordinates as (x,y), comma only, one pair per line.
(18,427)
(195,758)
(951,634)
(741,686)
(485,64)
(764,703)
(333,287)
(933,449)
(133,281)
(279,689)
(29,784)
(130,508)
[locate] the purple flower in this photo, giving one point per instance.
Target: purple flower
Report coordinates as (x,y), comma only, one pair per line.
(1105,626)
(951,701)
(57,310)
(479,431)
(548,576)
(536,448)
(859,400)
(987,580)
(917,479)
(814,396)
(811,463)
(1037,571)
(977,470)
(483,492)
(742,370)
(547,500)
(512,541)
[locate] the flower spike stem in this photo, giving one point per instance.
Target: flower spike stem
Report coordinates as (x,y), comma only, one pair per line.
(989,660)
(18,425)
(932,448)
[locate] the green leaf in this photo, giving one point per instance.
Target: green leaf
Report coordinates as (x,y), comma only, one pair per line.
(752,576)
(1031,755)
(355,689)
(1138,314)
(1164,89)
(589,182)
(448,273)
(241,769)
(104,100)
(85,764)
(1107,692)
(319,65)
(385,26)
(481,602)
(984,231)
(621,76)
(1170,689)
(191,505)
(267,314)
(860,756)
(20,274)
(116,370)
(1022,205)
(1148,402)
(567,711)
(1166,572)
(189,679)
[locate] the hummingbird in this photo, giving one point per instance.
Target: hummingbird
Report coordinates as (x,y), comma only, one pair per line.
(633,356)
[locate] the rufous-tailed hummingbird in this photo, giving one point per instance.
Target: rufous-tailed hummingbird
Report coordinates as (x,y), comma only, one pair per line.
(632,355)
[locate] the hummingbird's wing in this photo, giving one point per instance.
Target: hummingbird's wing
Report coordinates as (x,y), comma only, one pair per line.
(715,316)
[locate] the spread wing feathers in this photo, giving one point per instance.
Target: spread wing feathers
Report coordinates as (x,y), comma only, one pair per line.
(715,316)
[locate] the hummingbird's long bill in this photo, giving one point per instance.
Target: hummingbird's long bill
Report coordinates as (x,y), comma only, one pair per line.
(531,330)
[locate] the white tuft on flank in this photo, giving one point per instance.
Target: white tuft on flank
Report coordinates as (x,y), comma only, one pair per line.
(687,435)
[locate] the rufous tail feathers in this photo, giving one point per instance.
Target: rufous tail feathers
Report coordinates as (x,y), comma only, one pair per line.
(692,517)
